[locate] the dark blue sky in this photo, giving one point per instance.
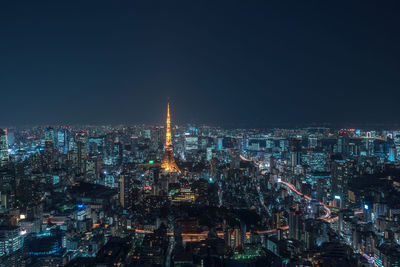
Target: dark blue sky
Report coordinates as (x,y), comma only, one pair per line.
(245,63)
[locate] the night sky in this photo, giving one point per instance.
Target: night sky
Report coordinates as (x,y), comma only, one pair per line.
(227,63)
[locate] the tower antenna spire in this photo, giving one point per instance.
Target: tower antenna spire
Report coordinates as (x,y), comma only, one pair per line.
(168,163)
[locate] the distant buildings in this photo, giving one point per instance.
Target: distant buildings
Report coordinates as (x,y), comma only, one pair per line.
(199,196)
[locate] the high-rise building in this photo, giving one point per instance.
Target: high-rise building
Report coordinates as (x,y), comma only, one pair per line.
(4,158)
(124,190)
(343,143)
(62,140)
(312,141)
(168,164)
(220,143)
(295,152)
(49,135)
(49,153)
(11,137)
(191,143)
(392,153)
(10,240)
(234,237)
(209,153)
(295,224)
(81,150)
(49,146)
(235,159)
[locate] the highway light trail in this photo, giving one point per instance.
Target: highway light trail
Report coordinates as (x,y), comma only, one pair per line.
(328,212)
(326,217)
(187,236)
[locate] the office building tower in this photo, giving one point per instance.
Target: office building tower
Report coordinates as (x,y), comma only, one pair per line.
(392,153)
(295,152)
(62,140)
(295,224)
(81,150)
(312,142)
(11,137)
(191,143)
(4,158)
(127,195)
(235,159)
(49,135)
(11,240)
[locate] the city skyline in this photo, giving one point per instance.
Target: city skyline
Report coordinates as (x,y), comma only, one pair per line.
(199,196)
(199,133)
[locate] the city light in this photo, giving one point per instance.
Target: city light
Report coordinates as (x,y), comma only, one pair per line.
(211,133)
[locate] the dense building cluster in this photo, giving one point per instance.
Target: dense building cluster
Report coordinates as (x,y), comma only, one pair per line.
(108,196)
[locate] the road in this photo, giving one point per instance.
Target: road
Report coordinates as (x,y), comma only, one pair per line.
(203,235)
(326,217)
(328,212)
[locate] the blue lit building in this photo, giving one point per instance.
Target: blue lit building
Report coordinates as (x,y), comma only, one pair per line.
(11,240)
(45,244)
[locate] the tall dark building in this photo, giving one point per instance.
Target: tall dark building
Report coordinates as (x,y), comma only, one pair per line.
(235,159)
(295,224)
(295,152)
(342,172)
(343,143)
(127,190)
(4,158)
(81,151)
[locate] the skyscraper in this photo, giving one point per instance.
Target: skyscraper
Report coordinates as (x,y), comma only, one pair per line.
(392,153)
(168,164)
(49,135)
(81,150)
(62,140)
(295,226)
(3,148)
(295,152)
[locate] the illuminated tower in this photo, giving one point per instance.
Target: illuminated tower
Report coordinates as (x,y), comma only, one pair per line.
(168,163)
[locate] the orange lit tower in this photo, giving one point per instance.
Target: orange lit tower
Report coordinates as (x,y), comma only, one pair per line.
(168,163)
